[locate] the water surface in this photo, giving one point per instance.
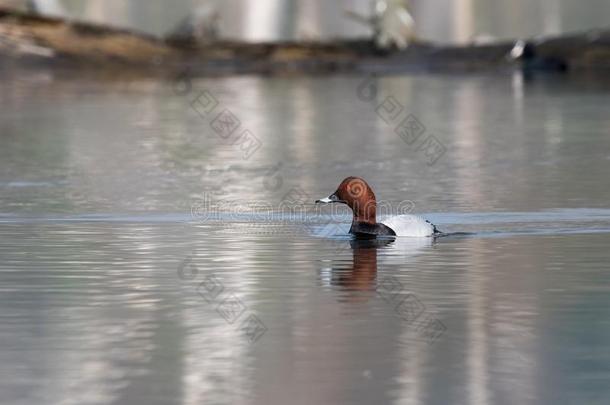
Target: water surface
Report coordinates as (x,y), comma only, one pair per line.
(136,241)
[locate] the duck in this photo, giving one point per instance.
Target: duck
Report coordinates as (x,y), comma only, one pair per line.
(360,198)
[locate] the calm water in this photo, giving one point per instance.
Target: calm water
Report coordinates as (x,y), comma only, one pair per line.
(145,260)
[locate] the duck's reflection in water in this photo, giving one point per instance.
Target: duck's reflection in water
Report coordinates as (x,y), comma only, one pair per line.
(359,275)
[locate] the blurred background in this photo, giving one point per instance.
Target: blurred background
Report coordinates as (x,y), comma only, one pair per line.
(444,21)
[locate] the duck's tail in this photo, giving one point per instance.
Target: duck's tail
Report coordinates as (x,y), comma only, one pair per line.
(440,234)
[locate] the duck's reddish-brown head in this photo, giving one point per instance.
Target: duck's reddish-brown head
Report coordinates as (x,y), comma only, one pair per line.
(359,196)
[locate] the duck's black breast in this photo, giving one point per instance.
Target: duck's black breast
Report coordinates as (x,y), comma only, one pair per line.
(365,230)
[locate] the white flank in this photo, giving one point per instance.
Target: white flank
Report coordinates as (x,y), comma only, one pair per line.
(409,225)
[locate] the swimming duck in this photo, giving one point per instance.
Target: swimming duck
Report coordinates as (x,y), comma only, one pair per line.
(358,195)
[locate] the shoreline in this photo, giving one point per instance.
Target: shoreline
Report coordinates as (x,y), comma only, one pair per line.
(29,41)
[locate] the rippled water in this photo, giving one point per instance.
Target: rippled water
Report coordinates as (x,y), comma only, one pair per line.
(145,260)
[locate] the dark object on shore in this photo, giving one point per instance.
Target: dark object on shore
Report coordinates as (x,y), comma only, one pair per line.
(199,27)
(33,41)
(530,59)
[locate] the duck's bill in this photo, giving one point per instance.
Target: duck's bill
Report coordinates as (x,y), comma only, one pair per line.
(330,199)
